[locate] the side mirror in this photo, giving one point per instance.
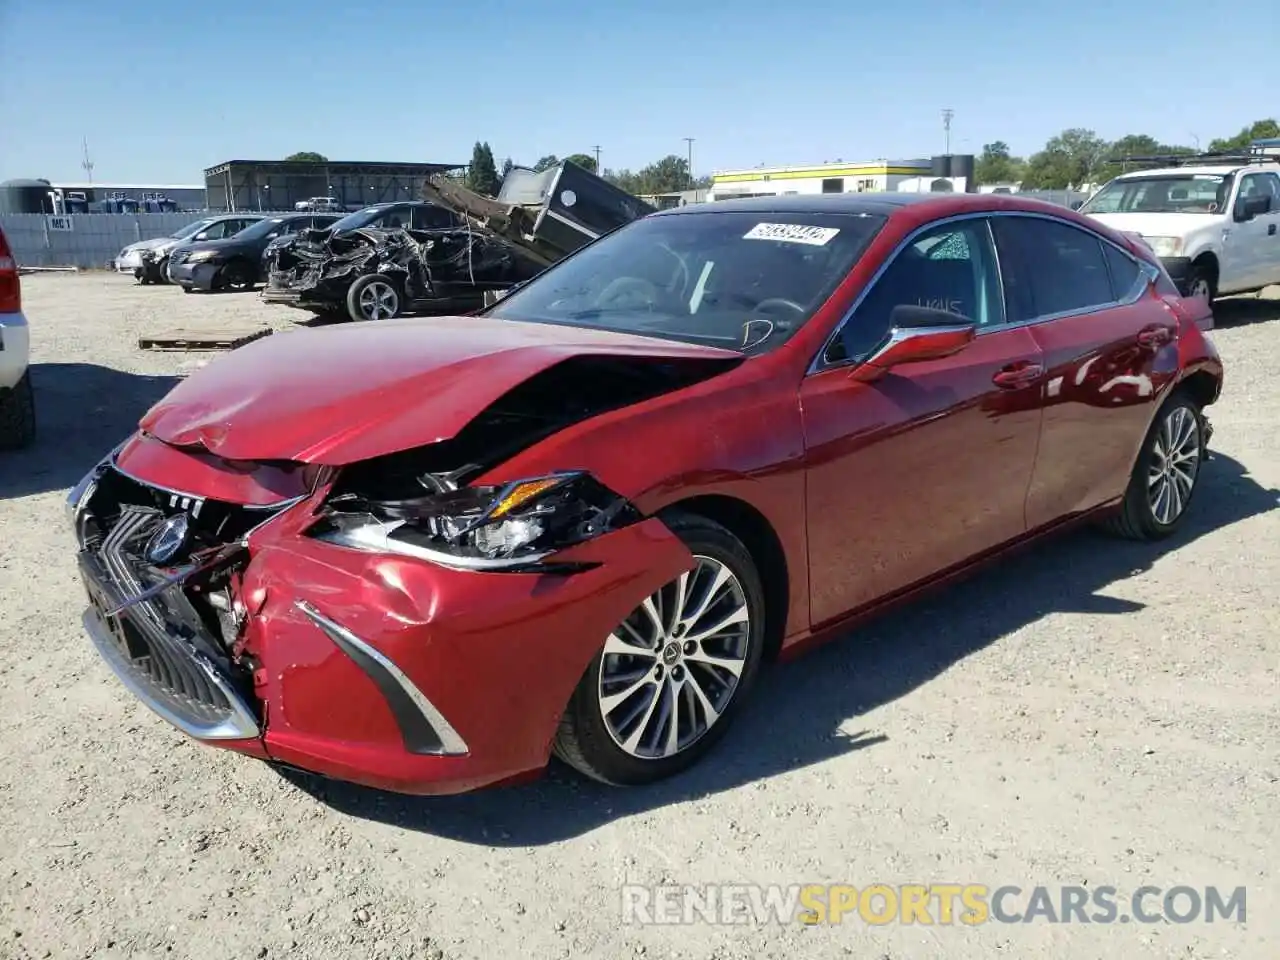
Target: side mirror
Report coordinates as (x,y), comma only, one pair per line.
(1249,207)
(916,334)
(202,235)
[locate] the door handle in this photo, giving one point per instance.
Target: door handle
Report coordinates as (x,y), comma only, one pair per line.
(1154,336)
(1018,374)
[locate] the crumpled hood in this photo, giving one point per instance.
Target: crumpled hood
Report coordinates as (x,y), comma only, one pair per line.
(341,394)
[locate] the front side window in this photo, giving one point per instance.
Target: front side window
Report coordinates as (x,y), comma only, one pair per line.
(1054,267)
(950,267)
(740,280)
(1165,193)
(431,217)
(191,229)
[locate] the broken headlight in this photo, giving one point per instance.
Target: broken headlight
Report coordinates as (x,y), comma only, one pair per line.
(511,526)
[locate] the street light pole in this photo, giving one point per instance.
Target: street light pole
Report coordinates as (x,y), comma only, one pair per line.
(689,141)
(946,129)
(596,148)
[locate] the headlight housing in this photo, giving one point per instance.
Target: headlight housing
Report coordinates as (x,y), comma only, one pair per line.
(1164,246)
(512,526)
(203,256)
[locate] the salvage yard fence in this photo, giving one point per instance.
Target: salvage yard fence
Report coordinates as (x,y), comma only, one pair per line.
(85,240)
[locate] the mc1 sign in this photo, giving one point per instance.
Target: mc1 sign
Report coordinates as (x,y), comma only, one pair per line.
(61,223)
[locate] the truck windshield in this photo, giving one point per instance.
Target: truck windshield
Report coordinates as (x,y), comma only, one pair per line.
(1179,193)
(740,280)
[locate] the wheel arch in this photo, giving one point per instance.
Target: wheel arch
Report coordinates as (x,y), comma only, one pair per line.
(761,540)
(1202,386)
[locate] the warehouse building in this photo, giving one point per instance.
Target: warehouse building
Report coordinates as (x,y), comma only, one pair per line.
(941,173)
(238,185)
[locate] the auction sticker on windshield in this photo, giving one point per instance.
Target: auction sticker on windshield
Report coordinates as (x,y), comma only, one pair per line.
(792,233)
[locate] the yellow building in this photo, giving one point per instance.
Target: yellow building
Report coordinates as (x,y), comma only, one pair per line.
(838,177)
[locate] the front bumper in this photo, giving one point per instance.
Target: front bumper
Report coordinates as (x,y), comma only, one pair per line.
(129,262)
(198,275)
(380,669)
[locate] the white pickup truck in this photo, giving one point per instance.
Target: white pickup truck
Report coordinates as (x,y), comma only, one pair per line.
(1213,220)
(17,402)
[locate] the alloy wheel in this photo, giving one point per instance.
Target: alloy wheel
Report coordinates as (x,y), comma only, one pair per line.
(674,664)
(1175,465)
(379,301)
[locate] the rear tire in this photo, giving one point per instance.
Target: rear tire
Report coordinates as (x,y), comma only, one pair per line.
(1166,474)
(618,725)
(375,297)
(18,416)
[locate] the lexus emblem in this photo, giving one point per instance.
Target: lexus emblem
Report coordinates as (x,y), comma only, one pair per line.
(169,540)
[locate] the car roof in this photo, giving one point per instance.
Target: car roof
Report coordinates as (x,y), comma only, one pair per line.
(884,204)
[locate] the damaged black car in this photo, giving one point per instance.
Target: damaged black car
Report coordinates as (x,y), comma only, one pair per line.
(449,253)
(386,260)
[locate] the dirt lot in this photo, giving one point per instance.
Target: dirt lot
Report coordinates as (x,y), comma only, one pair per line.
(1096,713)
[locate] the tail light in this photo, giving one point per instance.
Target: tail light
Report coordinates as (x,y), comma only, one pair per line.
(10,287)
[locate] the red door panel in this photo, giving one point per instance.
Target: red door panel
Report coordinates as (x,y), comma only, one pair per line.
(919,470)
(1107,370)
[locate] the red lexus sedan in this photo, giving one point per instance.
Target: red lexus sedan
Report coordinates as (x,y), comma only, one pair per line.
(425,554)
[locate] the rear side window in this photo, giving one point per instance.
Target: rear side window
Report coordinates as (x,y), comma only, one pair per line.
(1057,268)
(432,218)
(1124,272)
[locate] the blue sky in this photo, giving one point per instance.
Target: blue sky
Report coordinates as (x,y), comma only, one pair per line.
(163,90)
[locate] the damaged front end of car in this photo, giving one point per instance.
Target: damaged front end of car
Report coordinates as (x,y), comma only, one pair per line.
(335,617)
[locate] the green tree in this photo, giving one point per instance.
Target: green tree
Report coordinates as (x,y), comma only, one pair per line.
(306,156)
(667,175)
(996,165)
(583,160)
(1258,130)
(1073,158)
(1134,145)
(482,174)
(507,166)
(546,163)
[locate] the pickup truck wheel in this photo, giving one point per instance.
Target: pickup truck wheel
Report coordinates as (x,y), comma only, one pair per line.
(18,416)
(374,297)
(1201,283)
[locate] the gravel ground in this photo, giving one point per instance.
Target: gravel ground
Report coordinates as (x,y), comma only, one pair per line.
(1096,713)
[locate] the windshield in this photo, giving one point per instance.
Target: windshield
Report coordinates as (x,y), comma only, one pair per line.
(361,218)
(743,281)
(1166,193)
(192,228)
(256,231)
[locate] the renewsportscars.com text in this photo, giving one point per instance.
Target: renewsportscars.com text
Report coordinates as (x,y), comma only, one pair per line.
(927,904)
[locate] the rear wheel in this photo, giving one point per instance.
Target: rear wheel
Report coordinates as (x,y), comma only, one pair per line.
(1166,474)
(375,297)
(18,415)
(668,681)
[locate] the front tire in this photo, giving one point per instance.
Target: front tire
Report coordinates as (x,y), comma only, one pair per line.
(18,415)
(1202,283)
(375,297)
(1166,474)
(667,683)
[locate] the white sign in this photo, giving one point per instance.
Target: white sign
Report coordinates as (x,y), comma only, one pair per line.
(792,233)
(60,223)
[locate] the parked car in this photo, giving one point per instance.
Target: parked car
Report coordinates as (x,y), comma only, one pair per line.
(147,261)
(423,554)
(235,263)
(1213,220)
(17,399)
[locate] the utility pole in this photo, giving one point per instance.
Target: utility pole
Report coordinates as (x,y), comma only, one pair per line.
(596,148)
(86,163)
(689,141)
(946,129)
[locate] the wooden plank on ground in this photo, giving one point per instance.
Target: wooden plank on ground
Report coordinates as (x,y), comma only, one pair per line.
(203,338)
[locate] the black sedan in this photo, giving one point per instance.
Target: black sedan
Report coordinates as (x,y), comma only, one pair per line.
(235,263)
